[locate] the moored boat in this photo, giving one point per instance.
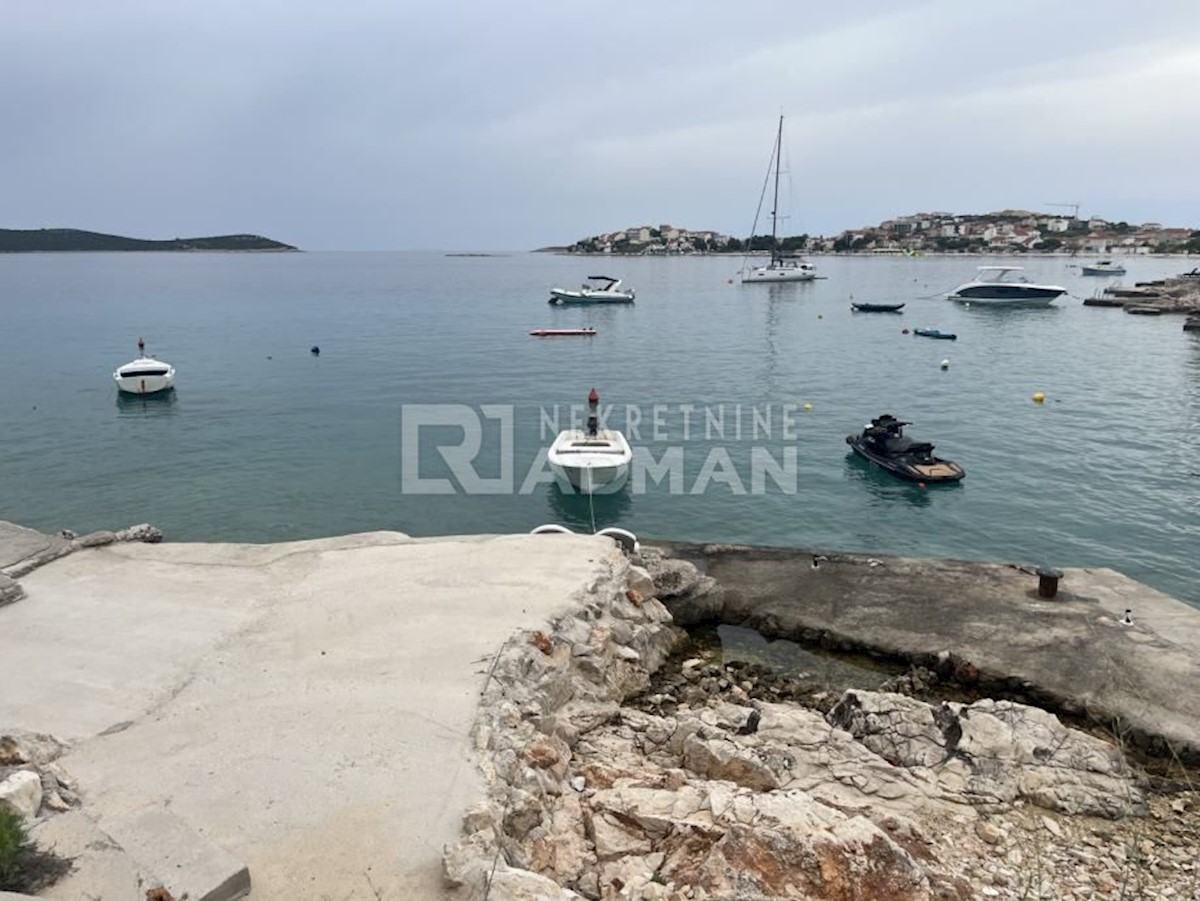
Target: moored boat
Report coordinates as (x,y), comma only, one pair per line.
(592,459)
(934,333)
(780,268)
(1005,286)
(563,332)
(883,443)
(877,307)
(1102,267)
(145,375)
(597,289)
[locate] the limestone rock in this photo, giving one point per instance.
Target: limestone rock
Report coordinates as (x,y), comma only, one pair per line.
(10,590)
(674,578)
(510,884)
(12,753)
(992,753)
(96,539)
(22,793)
(637,579)
(721,758)
(854,860)
(141,532)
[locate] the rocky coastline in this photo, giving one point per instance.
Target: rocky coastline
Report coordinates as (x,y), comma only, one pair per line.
(618,760)
(616,771)
(1180,294)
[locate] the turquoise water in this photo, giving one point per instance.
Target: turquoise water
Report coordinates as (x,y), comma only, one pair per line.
(262,441)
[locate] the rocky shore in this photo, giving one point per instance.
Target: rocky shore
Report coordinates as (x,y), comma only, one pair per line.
(615,771)
(242,719)
(1180,294)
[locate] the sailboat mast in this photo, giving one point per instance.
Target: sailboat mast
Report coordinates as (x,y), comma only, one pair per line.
(775,207)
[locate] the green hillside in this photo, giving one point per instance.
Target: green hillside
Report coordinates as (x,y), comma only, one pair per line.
(62,239)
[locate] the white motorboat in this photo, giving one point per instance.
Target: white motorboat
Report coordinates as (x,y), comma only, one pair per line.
(597,289)
(593,460)
(145,375)
(779,269)
(1103,267)
(1005,286)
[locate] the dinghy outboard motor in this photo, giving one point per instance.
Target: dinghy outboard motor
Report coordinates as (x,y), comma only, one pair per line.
(593,420)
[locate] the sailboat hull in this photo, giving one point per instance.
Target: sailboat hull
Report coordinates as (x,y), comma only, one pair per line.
(778,274)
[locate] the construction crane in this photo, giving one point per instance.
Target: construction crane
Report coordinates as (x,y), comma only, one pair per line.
(1073,207)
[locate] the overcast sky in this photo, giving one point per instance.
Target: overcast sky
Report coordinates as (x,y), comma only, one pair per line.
(380,125)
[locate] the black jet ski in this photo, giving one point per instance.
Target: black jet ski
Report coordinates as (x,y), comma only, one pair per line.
(883,443)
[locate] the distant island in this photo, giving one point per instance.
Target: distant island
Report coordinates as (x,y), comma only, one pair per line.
(1006,231)
(71,239)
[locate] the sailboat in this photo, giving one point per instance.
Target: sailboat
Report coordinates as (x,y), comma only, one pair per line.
(779,269)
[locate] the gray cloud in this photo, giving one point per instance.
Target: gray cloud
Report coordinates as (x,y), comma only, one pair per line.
(378,125)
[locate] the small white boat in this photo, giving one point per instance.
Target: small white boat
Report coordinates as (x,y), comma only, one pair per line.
(145,375)
(593,460)
(1103,267)
(1005,286)
(597,289)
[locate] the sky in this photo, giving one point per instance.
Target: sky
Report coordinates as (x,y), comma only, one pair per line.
(373,125)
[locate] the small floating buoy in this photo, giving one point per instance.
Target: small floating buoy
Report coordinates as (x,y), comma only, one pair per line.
(807,407)
(945,364)
(1038,397)
(967,304)
(921,485)
(269,357)
(904,331)
(819,316)
(729,281)
(315,351)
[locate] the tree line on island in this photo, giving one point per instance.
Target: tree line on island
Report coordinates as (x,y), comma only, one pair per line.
(72,239)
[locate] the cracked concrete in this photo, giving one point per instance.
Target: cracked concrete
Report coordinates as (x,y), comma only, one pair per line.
(306,706)
(1071,654)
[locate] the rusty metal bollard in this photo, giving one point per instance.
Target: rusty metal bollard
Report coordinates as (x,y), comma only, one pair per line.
(1048,581)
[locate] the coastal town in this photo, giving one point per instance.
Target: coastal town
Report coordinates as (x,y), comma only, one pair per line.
(1006,231)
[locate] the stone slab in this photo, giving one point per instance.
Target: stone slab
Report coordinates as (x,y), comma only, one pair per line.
(101,868)
(182,861)
(18,543)
(1072,648)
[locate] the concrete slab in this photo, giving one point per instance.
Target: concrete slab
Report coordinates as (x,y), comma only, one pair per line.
(1073,648)
(185,863)
(101,868)
(307,706)
(18,543)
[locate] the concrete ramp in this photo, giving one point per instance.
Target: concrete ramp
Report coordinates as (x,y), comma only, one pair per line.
(307,707)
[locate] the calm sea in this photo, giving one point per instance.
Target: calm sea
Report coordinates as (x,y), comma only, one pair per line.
(264,442)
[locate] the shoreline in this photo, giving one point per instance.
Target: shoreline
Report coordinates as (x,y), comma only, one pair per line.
(503,713)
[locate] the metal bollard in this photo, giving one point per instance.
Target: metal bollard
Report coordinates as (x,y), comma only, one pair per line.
(1048,581)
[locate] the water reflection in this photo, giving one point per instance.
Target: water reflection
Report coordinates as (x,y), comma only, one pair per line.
(160,403)
(836,672)
(887,488)
(575,511)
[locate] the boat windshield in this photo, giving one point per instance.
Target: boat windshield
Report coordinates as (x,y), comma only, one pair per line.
(137,373)
(1001,274)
